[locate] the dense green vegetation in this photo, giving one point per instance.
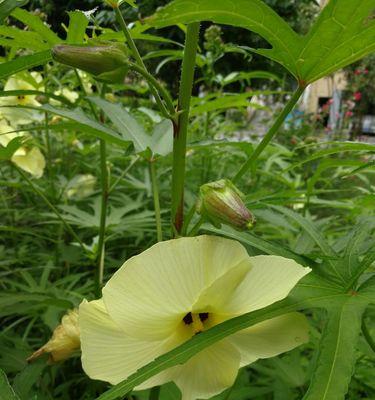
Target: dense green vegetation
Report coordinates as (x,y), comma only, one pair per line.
(102,159)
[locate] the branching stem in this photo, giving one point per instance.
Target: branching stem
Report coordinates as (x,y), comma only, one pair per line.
(270,134)
(138,59)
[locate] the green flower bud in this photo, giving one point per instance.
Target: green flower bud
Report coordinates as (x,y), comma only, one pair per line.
(106,61)
(221,202)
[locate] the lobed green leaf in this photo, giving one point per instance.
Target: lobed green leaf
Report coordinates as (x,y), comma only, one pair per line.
(343,33)
(337,352)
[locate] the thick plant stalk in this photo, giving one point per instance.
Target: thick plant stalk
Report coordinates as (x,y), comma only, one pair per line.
(155,192)
(180,133)
(270,134)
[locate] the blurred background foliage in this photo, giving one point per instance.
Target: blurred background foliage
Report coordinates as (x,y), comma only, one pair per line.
(300,14)
(44,272)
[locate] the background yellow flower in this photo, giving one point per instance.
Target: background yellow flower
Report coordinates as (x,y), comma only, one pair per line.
(30,159)
(22,81)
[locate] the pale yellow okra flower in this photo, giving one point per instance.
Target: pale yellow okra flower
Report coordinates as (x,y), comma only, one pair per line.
(80,186)
(22,116)
(176,289)
(71,95)
(29,159)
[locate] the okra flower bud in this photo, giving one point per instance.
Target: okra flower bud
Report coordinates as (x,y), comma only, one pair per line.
(221,202)
(65,339)
(106,61)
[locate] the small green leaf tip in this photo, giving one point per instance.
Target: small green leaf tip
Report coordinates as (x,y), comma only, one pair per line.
(222,203)
(106,61)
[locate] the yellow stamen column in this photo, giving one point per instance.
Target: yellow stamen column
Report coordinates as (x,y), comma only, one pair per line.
(197,323)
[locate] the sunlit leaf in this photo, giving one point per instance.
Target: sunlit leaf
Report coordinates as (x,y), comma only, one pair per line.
(36,25)
(25,62)
(89,125)
(343,33)
(336,358)
(124,123)
(77,27)
(7,6)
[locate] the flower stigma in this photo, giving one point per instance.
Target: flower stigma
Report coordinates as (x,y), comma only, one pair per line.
(196,321)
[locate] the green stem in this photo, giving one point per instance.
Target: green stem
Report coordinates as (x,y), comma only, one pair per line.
(138,58)
(180,134)
(270,134)
(155,191)
(123,174)
(99,273)
(187,219)
(48,140)
(154,393)
(155,83)
(103,217)
(48,147)
(196,227)
(51,206)
(367,336)
(206,165)
(103,210)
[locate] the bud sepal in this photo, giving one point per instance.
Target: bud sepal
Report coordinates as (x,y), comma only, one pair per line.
(222,203)
(65,340)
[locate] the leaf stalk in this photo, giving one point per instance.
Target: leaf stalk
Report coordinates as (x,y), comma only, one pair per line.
(270,134)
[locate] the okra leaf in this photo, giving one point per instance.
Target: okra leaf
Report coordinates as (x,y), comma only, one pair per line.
(37,25)
(77,27)
(6,391)
(7,6)
(88,125)
(162,138)
(342,34)
(250,14)
(337,352)
(126,124)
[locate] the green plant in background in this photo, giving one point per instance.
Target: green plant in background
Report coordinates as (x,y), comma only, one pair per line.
(151,151)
